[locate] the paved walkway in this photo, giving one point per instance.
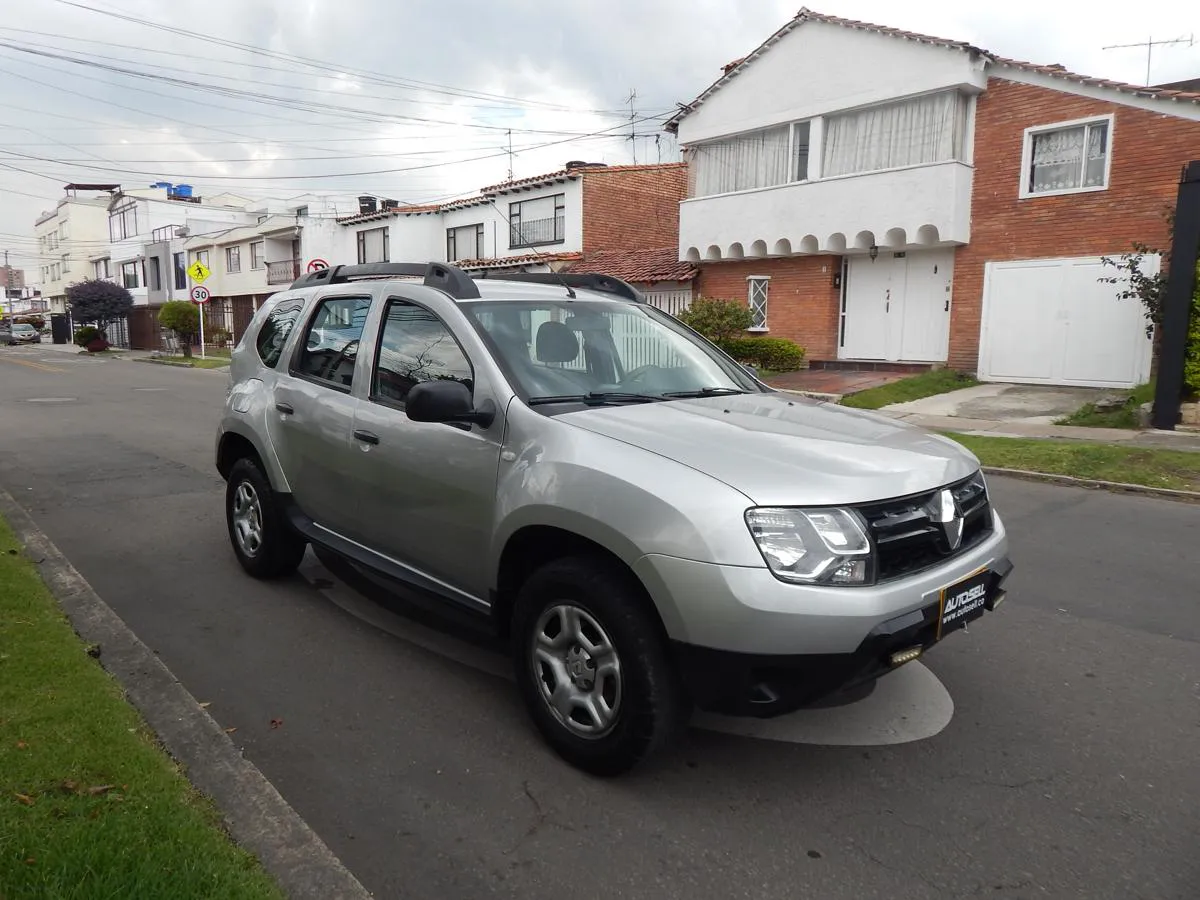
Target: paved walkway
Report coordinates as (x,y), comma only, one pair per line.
(833,382)
(1162,440)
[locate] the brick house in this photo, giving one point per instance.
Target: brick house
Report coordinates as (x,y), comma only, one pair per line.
(953,212)
(535,224)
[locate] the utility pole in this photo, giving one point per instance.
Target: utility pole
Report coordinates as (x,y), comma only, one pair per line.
(510,156)
(632,120)
(7,286)
(1150,44)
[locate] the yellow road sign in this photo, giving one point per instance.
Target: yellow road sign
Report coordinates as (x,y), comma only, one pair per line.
(199,271)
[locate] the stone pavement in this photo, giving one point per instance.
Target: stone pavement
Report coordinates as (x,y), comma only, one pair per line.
(1161,440)
(833,383)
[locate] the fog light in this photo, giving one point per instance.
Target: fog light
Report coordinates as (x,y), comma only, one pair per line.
(900,657)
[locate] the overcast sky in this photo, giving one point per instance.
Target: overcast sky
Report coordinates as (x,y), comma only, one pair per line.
(420,92)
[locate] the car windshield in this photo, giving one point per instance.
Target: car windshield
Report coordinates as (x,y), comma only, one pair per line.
(602,351)
(22,328)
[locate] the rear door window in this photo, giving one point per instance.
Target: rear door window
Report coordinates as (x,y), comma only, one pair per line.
(330,345)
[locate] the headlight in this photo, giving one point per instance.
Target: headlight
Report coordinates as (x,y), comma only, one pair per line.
(812,546)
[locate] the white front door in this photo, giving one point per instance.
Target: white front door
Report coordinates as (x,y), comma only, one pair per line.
(897,307)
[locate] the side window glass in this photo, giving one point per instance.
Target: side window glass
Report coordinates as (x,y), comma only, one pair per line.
(331,342)
(415,346)
(274,332)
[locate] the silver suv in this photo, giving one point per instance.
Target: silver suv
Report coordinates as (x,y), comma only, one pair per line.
(647,524)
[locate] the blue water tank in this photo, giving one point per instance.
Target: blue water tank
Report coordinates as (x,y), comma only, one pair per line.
(162,184)
(183,190)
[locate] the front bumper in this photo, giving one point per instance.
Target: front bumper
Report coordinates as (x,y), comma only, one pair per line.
(737,628)
(767,685)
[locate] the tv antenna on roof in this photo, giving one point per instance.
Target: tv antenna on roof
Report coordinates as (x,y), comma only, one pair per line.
(1150,44)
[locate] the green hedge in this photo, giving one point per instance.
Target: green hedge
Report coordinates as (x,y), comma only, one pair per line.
(1191,362)
(776,354)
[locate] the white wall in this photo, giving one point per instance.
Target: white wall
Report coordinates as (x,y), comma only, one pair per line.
(918,206)
(820,68)
(573,213)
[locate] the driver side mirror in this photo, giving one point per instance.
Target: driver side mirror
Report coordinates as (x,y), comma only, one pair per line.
(448,402)
(749,368)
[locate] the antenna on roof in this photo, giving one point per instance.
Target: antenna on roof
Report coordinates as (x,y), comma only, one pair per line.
(632,118)
(525,245)
(1150,44)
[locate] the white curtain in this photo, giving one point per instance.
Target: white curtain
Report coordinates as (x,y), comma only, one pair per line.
(911,132)
(1069,158)
(753,160)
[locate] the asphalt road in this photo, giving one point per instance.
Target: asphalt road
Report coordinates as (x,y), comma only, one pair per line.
(1067,767)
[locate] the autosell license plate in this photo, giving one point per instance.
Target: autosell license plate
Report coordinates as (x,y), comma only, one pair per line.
(963,602)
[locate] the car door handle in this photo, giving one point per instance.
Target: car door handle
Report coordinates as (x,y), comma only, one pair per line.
(366,437)
(285,408)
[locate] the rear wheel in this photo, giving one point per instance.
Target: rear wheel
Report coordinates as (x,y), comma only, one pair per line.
(593,666)
(264,543)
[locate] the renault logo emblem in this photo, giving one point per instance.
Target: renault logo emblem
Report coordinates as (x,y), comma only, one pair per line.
(945,514)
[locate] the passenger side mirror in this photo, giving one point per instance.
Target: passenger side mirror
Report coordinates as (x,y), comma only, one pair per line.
(749,368)
(448,402)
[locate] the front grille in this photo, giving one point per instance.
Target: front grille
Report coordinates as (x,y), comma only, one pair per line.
(908,536)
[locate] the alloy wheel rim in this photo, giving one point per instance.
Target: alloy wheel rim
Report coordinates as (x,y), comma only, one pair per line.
(247,519)
(577,670)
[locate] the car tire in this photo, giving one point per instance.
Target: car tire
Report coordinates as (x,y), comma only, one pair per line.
(263,541)
(565,615)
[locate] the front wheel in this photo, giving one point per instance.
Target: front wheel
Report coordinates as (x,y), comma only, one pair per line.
(593,666)
(262,540)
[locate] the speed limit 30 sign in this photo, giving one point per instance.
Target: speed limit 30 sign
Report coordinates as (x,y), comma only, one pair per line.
(200,294)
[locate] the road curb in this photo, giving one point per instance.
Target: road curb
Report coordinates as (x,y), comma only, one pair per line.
(257,816)
(1114,486)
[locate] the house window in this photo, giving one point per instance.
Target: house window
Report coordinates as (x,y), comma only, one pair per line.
(202,258)
(913,132)
(129,275)
(301,211)
(101,268)
(743,162)
(153,274)
(122,222)
(756,296)
(66,262)
(801,132)
(180,266)
(465,242)
(536,222)
(1066,158)
(373,245)
(233,260)
(256,255)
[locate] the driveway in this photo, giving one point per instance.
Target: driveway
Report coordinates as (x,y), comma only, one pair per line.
(1047,752)
(1021,404)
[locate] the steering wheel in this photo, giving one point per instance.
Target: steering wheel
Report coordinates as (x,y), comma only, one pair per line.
(327,374)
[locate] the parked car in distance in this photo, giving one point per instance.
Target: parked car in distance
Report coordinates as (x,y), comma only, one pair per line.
(648,525)
(25,334)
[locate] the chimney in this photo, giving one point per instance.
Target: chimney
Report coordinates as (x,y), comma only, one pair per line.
(366,204)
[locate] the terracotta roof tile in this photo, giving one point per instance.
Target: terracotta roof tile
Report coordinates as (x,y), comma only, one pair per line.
(637,265)
(525,260)
(1056,70)
(389,213)
(578,171)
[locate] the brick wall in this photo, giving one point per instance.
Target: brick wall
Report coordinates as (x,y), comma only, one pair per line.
(1148,151)
(802,303)
(632,207)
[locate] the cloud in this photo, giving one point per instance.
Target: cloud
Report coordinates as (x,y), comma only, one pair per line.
(428,86)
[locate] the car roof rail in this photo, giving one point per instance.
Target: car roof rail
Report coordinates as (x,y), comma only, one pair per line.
(588,281)
(451,279)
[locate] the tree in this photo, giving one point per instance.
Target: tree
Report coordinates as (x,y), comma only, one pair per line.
(98,302)
(183,318)
(717,320)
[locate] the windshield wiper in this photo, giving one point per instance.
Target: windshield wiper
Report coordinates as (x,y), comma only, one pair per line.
(598,398)
(704,392)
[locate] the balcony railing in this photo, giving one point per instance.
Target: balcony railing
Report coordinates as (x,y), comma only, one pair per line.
(284,272)
(537,231)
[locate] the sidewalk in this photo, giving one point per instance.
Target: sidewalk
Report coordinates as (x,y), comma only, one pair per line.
(1160,440)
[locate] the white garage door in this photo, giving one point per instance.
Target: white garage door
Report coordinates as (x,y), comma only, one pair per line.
(1051,321)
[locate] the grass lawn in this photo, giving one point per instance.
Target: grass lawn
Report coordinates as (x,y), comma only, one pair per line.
(90,807)
(195,362)
(1121,417)
(935,381)
(1175,469)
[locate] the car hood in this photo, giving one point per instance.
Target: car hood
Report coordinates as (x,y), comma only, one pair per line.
(785,449)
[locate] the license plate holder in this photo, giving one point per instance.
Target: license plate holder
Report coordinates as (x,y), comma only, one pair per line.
(963,602)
